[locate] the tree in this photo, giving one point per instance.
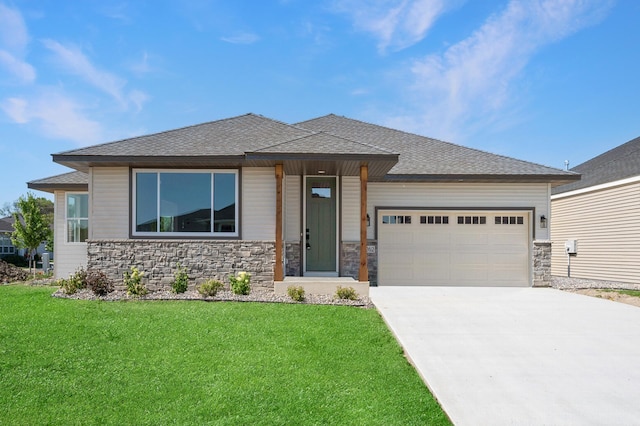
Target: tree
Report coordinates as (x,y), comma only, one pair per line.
(31,226)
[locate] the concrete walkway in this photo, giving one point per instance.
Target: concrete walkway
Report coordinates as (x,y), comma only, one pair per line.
(522,356)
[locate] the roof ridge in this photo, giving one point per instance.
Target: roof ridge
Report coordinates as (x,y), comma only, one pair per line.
(162,132)
(439,140)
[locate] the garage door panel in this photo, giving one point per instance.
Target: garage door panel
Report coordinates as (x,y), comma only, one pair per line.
(481,252)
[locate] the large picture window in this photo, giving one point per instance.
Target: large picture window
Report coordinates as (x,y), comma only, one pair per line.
(77,218)
(185,202)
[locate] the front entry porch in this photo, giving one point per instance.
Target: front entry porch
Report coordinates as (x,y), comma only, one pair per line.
(321,285)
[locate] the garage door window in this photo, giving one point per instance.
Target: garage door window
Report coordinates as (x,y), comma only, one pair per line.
(509,220)
(472,220)
(393,220)
(434,220)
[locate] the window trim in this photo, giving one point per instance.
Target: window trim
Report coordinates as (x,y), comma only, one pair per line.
(67,218)
(190,235)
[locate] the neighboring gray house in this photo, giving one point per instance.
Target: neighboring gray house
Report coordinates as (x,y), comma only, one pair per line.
(6,246)
(321,199)
(6,229)
(602,213)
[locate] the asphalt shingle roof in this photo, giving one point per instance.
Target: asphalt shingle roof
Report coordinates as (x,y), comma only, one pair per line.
(618,163)
(239,137)
(72,180)
(6,225)
(420,155)
(227,137)
(324,143)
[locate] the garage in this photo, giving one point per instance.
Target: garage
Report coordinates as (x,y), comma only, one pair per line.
(454,248)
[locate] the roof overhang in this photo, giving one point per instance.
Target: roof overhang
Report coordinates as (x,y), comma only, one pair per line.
(330,164)
(52,187)
(293,163)
(84,162)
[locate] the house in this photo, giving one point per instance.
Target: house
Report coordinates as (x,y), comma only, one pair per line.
(602,214)
(6,229)
(328,197)
(6,245)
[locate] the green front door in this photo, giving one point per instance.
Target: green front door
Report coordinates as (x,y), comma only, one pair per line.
(321,224)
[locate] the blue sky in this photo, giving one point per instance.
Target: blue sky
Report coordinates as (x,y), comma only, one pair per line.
(540,80)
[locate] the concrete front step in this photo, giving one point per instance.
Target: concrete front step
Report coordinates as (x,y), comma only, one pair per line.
(321,285)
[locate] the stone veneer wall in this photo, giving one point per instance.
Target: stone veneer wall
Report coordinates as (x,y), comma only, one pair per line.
(204,260)
(541,263)
(350,260)
(293,266)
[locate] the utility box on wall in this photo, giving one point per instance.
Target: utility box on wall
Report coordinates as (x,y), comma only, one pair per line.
(571,246)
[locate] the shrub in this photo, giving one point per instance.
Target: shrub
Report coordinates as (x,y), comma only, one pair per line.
(181,280)
(241,284)
(296,293)
(348,293)
(133,282)
(210,288)
(75,282)
(98,282)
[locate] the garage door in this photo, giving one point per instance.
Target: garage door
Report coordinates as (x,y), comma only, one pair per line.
(453,248)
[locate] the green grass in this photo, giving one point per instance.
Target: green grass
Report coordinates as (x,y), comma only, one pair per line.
(86,362)
(634,293)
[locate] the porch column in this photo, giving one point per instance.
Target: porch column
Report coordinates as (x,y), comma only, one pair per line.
(278,273)
(363,274)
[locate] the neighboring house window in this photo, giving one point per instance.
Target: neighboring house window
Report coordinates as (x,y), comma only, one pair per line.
(6,246)
(185,202)
(77,218)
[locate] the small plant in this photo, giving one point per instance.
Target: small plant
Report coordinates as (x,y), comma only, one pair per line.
(98,282)
(296,293)
(241,284)
(210,288)
(181,280)
(75,282)
(133,282)
(347,293)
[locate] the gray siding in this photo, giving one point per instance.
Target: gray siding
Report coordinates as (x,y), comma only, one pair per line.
(606,224)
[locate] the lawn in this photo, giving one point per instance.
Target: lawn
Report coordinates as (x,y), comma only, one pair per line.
(88,362)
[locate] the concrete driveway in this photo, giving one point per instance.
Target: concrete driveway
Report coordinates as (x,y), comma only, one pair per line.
(498,356)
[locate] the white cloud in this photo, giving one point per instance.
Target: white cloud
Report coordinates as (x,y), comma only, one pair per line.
(14,39)
(138,98)
(397,24)
(473,81)
(57,115)
(13,31)
(20,69)
(241,38)
(16,109)
(75,62)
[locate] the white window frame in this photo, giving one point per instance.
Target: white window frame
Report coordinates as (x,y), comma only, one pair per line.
(67,218)
(212,234)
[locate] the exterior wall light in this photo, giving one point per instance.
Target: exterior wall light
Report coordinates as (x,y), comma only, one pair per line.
(543,222)
(368,220)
